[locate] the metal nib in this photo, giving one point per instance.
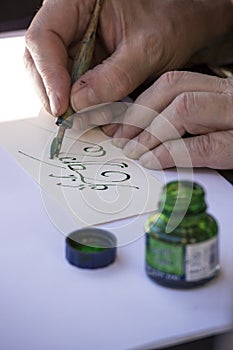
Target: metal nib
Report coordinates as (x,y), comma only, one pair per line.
(57,142)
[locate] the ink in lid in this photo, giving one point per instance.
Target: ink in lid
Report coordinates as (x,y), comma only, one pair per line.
(91,248)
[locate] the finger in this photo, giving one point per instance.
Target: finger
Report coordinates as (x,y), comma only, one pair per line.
(110,129)
(36,79)
(212,150)
(136,119)
(161,94)
(151,137)
(195,113)
(47,40)
(111,80)
(100,115)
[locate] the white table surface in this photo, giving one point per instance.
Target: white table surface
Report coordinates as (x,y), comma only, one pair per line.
(45,303)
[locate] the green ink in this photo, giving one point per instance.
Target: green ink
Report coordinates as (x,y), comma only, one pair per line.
(181,238)
(72,164)
(41,161)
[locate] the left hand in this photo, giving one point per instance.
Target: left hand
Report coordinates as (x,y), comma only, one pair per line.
(182,102)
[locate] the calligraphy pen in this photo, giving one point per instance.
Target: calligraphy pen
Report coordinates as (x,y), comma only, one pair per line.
(82,62)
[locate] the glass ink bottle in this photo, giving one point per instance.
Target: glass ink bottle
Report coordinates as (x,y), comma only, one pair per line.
(182,238)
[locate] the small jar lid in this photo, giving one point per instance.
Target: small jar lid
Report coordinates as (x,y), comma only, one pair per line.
(91,248)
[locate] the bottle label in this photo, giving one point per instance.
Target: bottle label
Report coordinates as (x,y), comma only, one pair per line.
(201,259)
(177,262)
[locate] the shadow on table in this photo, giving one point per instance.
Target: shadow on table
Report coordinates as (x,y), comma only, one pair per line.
(218,342)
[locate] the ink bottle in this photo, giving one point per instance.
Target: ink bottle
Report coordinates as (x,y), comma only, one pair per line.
(182,238)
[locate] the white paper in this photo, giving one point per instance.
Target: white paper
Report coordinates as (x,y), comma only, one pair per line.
(91,178)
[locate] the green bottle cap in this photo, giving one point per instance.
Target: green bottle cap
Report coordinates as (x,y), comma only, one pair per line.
(91,248)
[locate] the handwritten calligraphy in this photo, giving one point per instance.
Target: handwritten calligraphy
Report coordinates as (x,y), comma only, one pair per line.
(77,171)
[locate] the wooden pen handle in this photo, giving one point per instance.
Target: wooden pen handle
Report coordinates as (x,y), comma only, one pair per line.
(83,58)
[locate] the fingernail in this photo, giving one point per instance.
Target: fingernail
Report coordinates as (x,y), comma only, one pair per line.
(148,160)
(130,150)
(83,98)
(118,133)
(54,104)
(145,159)
(120,143)
(134,149)
(117,140)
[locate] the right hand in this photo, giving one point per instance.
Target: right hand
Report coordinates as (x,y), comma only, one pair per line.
(136,40)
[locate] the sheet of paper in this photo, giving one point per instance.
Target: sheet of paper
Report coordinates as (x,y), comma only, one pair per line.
(91,178)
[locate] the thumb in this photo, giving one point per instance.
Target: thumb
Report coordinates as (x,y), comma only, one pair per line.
(109,81)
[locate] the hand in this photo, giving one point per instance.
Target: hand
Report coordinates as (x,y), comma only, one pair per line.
(136,40)
(180,103)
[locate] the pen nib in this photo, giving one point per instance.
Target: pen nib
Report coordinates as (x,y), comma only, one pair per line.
(53,148)
(57,142)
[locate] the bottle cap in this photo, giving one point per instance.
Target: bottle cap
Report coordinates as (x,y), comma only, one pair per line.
(91,248)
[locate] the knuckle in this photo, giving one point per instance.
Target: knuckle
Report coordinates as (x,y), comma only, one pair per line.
(171,78)
(215,150)
(227,86)
(221,84)
(31,37)
(151,44)
(165,155)
(119,81)
(184,104)
(145,138)
(204,146)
